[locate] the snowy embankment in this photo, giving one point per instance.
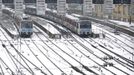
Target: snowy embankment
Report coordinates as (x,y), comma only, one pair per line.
(122,23)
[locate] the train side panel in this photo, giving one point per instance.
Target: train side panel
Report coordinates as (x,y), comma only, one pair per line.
(24,27)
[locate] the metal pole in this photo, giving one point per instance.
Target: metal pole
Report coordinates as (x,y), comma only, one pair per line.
(129,13)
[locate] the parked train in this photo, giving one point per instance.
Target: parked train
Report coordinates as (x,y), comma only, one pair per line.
(23,23)
(79,25)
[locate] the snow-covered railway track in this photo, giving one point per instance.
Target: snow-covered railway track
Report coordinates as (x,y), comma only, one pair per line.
(90,57)
(31,50)
(121,35)
(108,55)
(105,61)
(11,56)
(86,56)
(121,42)
(74,59)
(123,71)
(57,53)
(62,72)
(13,53)
(131,40)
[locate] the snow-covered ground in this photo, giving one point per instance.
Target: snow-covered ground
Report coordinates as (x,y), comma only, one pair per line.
(122,23)
(54,56)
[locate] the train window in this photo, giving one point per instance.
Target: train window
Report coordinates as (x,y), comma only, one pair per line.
(26,25)
(85,24)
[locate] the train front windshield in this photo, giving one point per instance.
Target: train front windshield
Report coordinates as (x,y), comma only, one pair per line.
(26,24)
(85,24)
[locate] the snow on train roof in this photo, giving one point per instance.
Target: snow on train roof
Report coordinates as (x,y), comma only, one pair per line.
(50,28)
(72,17)
(76,15)
(80,16)
(10,9)
(31,6)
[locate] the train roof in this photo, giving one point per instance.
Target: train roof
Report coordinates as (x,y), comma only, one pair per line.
(80,16)
(10,9)
(26,17)
(76,17)
(31,6)
(72,17)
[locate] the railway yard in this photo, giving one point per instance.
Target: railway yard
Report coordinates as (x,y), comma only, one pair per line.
(109,54)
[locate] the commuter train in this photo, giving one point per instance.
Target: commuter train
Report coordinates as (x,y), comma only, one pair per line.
(77,24)
(23,23)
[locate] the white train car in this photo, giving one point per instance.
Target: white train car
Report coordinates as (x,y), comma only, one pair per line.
(79,25)
(23,23)
(83,25)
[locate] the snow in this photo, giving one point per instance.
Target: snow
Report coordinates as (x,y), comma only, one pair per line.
(77,15)
(72,17)
(31,6)
(11,10)
(50,28)
(46,25)
(69,46)
(122,23)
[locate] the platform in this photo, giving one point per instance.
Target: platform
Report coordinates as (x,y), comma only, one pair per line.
(47,27)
